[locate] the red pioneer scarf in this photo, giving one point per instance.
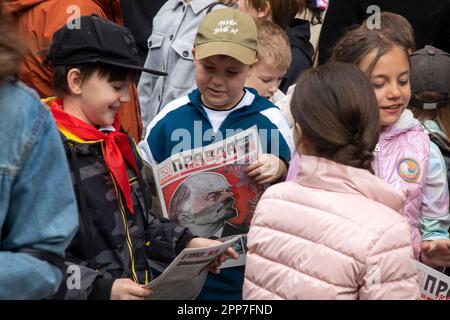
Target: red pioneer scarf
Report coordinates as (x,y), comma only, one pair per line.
(117,146)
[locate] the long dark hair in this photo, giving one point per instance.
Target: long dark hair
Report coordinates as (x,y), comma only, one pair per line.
(357,43)
(336,108)
(11,47)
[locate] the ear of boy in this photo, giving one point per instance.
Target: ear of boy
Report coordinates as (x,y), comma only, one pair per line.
(265,12)
(252,66)
(74,81)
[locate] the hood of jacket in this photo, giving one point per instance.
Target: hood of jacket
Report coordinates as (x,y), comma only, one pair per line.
(299,34)
(259,104)
(407,122)
(320,173)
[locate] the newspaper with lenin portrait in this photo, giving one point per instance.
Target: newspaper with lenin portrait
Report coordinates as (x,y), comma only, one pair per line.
(207,189)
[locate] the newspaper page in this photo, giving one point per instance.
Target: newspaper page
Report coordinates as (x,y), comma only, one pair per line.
(207,189)
(433,284)
(184,278)
(240,246)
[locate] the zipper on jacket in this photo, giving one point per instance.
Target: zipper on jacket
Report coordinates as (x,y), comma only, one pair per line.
(378,149)
(125,222)
(147,244)
(133,181)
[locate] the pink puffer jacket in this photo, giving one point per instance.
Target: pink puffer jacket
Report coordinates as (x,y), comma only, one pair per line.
(401,159)
(334,233)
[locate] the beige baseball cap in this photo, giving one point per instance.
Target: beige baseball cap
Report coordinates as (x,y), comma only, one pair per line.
(229,32)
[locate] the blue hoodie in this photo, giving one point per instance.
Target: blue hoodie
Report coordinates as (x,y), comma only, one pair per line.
(184,124)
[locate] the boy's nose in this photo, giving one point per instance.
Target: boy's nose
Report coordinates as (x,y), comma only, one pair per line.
(272,89)
(217,81)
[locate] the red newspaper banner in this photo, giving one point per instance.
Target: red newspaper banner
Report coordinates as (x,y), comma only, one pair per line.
(207,189)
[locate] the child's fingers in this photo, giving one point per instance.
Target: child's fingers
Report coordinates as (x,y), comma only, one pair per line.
(221,259)
(214,266)
(232,253)
(263,178)
(265,173)
(254,165)
(268,176)
(214,270)
(445,244)
(132,297)
(139,291)
(267,180)
(255,172)
(425,246)
(260,178)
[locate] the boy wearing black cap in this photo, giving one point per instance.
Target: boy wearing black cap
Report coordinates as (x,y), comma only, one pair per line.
(93,66)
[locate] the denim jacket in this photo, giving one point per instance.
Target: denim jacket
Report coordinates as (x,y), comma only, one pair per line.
(37,204)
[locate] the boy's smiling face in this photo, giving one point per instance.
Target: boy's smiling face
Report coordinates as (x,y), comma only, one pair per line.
(100,100)
(220,80)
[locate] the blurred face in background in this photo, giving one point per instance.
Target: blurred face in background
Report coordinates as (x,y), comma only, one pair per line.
(265,78)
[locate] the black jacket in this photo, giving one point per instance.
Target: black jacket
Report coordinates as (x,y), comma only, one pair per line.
(138,18)
(429,19)
(302,51)
(112,242)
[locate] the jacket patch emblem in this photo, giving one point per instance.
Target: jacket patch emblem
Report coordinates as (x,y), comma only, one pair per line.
(409,170)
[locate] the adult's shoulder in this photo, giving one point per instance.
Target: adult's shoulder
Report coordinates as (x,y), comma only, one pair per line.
(19,100)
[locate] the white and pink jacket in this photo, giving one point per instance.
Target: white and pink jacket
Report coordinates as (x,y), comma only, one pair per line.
(401,159)
(334,233)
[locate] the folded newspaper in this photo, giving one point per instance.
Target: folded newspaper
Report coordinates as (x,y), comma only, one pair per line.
(208,190)
(433,284)
(184,278)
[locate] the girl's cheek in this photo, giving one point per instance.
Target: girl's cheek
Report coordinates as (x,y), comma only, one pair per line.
(379,96)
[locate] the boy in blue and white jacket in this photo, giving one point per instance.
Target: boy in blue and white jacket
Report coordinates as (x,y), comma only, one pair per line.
(170,49)
(224,49)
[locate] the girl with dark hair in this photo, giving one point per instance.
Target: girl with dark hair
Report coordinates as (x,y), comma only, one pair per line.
(330,233)
(404,156)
